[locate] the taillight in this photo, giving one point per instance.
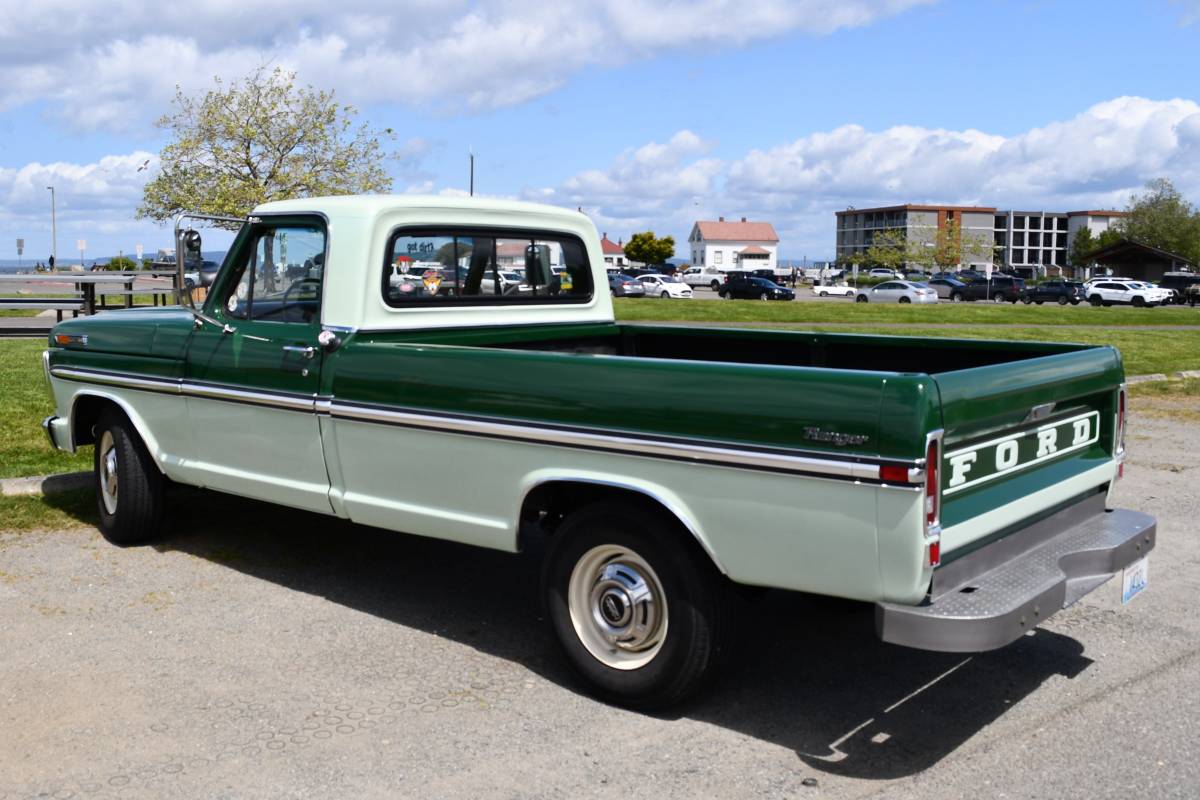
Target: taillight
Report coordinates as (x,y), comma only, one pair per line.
(933,497)
(1121,420)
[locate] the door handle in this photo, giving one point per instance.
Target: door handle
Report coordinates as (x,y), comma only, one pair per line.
(303,352)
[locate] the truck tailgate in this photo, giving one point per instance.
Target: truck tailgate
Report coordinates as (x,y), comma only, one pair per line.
(1024,439)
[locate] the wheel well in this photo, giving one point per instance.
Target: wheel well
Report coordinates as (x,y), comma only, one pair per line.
(84,416)
(548,504)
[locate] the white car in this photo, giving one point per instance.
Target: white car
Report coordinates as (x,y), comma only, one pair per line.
(510,281)
(666,286)
(1164,296)
(1109,292)
(840,290)
(897,292)
(882,272)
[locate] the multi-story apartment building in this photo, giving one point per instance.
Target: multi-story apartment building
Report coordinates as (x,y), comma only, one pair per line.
(1021,240)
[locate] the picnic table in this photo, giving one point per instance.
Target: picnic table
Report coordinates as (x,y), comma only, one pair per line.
(83,296)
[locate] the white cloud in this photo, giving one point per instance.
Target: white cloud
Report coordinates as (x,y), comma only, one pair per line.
(104,67)
(1095,159)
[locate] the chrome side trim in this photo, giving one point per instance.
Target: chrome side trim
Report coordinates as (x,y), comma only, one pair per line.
(290,402)
(163,385)
(708,454)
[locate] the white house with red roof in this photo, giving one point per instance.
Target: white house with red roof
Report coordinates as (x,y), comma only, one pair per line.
(734,245)
(614,254)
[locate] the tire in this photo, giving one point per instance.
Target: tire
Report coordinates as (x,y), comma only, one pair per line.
(998,298)
(956,297)
(715,286)
(861,298)
(1096,300)
(1027,300)
(822,294)
(1062,300)
(589,605)
(1139,302)
(764,296)
(129,487)
(905,300)
(665,295)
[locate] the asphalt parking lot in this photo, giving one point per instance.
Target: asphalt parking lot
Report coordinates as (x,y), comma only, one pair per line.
(258,652)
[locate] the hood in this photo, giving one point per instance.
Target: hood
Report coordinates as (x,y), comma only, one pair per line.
(158,332)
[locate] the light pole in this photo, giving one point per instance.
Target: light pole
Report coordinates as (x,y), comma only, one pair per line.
(53,227)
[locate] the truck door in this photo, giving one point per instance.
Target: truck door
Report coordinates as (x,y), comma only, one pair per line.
(252,378)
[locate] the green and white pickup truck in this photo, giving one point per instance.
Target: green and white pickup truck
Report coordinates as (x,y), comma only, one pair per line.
(361,357)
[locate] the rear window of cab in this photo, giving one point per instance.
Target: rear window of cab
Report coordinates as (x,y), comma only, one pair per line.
(476,266)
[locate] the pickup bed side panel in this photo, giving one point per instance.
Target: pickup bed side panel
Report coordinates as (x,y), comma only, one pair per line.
(766,527)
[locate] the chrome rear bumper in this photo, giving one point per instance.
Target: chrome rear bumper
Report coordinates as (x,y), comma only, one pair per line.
(992,596)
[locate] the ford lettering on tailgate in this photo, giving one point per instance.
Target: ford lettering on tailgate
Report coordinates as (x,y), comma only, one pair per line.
(980,463)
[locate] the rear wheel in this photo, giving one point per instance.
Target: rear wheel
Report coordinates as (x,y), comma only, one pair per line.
(998,298)
(665,295)
(642,616)
(823,294)
(905,300)
(1027,300)
(1062,300)
(715,286)
(129,487)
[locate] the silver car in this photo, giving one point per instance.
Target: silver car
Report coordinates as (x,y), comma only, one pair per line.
(897,292)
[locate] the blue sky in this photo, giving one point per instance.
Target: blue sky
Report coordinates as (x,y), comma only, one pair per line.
(645,114)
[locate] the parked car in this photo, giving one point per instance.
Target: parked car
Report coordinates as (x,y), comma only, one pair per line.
(622,285)
(509,282)
(1162,296)
(915,479)
(1178,282)
(666,286)
(740,287)
(1131,293)
(1055,291)
(1000,289)
(883,272)
(948,288)
(704,276)
(836,290)
(897,292)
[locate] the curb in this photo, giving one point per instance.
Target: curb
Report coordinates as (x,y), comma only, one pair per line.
(45,484)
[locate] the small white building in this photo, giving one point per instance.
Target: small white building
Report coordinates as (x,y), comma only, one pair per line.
(734,245)
(614,254)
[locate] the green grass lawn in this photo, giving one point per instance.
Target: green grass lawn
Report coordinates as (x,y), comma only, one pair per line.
(647,309)
(24,402)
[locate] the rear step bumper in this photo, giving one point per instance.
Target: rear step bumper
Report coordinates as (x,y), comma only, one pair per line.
(992,596)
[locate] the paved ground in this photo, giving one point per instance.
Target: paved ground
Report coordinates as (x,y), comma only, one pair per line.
(263,653)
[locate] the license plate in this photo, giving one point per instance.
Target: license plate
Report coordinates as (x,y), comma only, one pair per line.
(1134,579)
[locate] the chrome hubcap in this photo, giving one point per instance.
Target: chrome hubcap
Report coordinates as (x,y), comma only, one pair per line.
(617,607)
(108,472)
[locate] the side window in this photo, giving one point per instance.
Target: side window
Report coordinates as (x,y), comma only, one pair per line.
(472,267)
(279,276)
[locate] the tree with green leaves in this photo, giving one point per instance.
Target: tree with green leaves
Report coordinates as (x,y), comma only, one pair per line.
(258,139)
(1082,247)
(648,249)
(121,264)
(890,249)
(1162,218)
(1109,237)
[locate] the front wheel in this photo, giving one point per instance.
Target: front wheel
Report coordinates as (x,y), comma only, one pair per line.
(764,296)
(665,295)
(1027,300)
(715,286)
(956,297)
(641,614)
(129,488)
(862,298)
(1139,302)
(823,294)
(998,298)
(1096,300)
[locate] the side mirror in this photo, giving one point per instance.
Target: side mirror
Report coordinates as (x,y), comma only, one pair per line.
(191,244)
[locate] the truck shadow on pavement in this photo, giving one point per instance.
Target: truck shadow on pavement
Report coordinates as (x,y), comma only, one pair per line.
(809,675)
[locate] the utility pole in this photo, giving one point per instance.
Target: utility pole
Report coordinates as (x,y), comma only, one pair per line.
(53,227)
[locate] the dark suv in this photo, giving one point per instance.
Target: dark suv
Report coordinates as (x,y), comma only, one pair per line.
(1179,282)
(1056,291)
(753,288)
